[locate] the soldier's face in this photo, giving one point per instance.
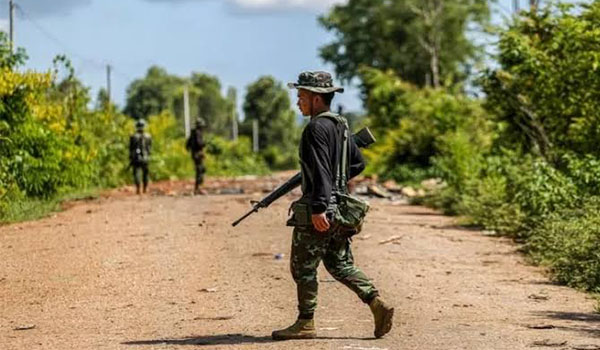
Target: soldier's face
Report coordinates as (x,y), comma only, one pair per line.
(305,102)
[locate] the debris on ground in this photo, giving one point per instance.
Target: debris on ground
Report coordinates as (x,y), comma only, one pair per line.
(208,290)
(377,191)
(538,297)
(409,192)
(586,347)
(549,343)
(432,184)
(489,233)
(541,326)
(392,186)
(217,318)
(261,254)
(24,327)
(363,237)
(392,239)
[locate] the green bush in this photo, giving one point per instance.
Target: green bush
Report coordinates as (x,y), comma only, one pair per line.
(228,158)
(414,126)
(568,241)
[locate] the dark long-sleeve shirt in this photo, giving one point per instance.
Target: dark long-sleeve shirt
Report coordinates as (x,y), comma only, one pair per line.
(320,152)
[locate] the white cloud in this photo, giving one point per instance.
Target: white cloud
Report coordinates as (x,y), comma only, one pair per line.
(286,4)
(271,5)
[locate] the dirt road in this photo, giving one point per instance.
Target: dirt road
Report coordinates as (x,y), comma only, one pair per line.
(163,272)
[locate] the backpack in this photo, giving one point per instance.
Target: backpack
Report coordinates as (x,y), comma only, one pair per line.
(140,149)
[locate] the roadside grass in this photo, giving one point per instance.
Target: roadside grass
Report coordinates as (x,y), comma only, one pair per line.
(33,209)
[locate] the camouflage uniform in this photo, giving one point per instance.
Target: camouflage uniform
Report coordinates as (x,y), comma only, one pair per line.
(320,154)
(140,145)
(309,247)
(195,144)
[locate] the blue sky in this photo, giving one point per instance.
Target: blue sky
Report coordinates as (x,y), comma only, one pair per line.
(236,40)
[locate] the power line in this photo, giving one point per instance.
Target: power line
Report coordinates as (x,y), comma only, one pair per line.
(58,42)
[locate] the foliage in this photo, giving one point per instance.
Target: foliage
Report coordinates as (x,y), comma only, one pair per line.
(539,182)
(153,94)
(569,242)
(170,160)
(160,91)
(416,125)
(413,38)
(207,102)
(268,102)
(52,144)
(229,158)
(546,93)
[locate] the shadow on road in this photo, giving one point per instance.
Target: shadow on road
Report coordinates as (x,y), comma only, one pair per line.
(224,339)
(570,316)
(580,322)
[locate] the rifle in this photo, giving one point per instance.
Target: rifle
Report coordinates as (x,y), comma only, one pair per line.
(363,139)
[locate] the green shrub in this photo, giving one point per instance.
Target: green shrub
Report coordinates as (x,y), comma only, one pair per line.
(568,241)
(414,126)
(228,158)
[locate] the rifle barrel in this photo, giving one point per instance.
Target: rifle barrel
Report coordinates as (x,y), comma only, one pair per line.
(363,138)
(254,210)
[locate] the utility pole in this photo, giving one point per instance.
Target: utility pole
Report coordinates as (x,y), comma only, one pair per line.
(11,11)
(533,4)
(232,96)
(186,110)
(516,5)
(255,135)
(108,84)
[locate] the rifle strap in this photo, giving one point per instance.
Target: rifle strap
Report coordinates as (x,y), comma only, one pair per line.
(341,172)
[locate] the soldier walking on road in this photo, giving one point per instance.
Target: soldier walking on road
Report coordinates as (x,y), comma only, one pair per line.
(316,236)
(195,144)
(140,144)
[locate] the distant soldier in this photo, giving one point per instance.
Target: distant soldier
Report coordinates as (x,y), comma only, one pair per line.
(140,144)
(195,144)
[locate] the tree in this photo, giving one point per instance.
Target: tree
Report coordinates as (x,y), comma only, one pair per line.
(208,102)
(160,91)
(268,102)
(152,94)
(422,41)
(546,92)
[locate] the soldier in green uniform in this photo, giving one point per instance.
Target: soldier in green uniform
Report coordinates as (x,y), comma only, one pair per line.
(140,144)
(319,238)
(195,144)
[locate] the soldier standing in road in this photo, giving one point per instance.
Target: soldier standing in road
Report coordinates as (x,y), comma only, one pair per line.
(195,144)
(140,144)
(316,237)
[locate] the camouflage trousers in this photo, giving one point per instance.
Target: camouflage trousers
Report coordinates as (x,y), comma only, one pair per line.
(309,247)
(200,170)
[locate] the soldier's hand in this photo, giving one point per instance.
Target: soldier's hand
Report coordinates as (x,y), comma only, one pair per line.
(320,222)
